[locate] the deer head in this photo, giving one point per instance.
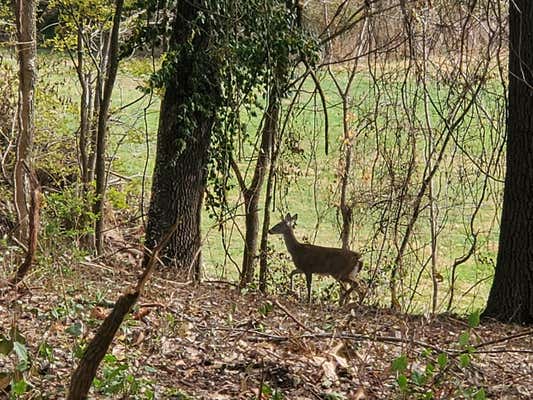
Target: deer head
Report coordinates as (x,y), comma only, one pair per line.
(285,226)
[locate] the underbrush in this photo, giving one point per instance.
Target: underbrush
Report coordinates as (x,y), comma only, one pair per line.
(208,341)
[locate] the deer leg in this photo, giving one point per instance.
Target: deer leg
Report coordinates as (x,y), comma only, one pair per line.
(308,278)
(294,272)
(360,290)
(342,291)
(354,285)
(345,293)
(348,292)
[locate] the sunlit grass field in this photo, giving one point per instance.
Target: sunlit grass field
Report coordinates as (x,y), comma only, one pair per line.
(309,187)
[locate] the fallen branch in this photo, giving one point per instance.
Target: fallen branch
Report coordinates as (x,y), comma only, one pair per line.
(504,339)
(348,336)
(301,325)
(385,339)
(84,374)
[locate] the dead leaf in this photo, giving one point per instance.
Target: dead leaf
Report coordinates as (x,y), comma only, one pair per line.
(99,313)
(337,353)
(360,394)
(330,375)
(5,378)
(143,312)
(139,339)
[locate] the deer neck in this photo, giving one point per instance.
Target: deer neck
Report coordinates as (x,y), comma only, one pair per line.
(290,240)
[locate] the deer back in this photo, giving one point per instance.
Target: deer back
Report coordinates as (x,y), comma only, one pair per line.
(339,263)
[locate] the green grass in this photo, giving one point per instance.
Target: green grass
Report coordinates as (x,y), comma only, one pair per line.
(309,182)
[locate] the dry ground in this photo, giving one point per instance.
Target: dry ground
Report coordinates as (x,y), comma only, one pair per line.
(208,342)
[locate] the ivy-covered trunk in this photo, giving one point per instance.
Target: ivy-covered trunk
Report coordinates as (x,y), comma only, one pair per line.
(190,101)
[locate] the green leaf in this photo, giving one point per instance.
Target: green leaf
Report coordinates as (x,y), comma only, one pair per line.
(442,359)
(464,338)
(46,351)
(400,364)
(265,389)
(22,355)
(20,351)
(265,308)
(426,353)
(480,395)
(473,319)
(75,329)
(418,378)
(6,345)
(428,395)
(464,360)
(402,382)
(19,387)
(110,358)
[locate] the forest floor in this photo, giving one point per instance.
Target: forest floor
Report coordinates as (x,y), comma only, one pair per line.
(207,341)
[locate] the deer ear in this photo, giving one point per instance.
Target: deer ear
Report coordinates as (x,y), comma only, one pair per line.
(294,217)
(288,217)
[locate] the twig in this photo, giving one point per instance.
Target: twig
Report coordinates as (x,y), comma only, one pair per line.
(300,324)
(349,336)
(504,339)
(152,305)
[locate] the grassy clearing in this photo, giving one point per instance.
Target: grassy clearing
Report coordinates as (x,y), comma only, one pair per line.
(310,178)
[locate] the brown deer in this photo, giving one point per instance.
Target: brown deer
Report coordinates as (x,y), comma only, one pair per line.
(309,259)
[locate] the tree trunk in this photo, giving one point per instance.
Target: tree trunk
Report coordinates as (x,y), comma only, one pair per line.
(85,110)
(511,295)
(345,205)
(101,178)
(183,142)
(178,185)
(26,53)
(83,376)
(97,104)
(263,249)
(252,194)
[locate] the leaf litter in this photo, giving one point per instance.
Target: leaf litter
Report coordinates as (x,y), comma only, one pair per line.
(207,341)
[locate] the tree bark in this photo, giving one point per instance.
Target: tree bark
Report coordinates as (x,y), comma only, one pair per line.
(33,234)
(85,115)
(511,295)
(101,178)
(26,53)
(183,142)
(345,204)
(252,194)
(263,249)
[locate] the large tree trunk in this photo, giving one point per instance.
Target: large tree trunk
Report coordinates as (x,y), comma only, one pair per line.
(178,185)
(511,296)
(183,141)
(26,53)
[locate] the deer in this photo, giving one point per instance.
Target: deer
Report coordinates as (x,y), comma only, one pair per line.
(341,264)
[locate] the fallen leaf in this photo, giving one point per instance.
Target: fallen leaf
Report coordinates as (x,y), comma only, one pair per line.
(143,312)
(360,394)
